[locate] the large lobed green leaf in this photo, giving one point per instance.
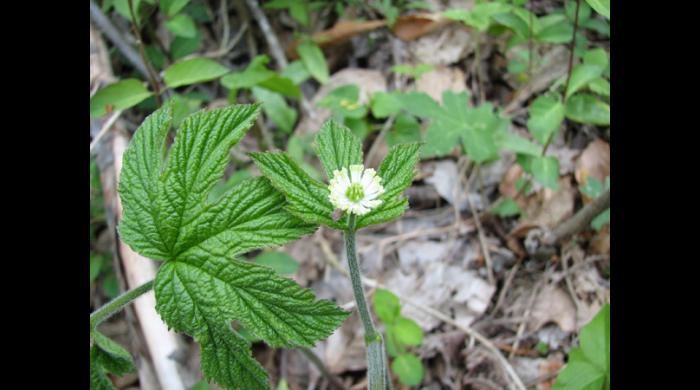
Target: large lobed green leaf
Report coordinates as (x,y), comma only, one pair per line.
(169,215)
(481,131)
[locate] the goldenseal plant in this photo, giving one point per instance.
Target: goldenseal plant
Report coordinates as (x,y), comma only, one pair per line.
(203,285)
(355,197)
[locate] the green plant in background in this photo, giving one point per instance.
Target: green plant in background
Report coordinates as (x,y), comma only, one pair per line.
(401,333)
(267,87)
(313,59)
(344,103)
(354,198)
(298,10)
(581,98)
(588,366)
(202,286)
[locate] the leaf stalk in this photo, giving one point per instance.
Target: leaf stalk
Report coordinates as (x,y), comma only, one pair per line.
(115,305)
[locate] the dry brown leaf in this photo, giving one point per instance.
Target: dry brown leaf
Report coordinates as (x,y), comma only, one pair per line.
(553,304)
(443,47)
(341,32)
(549,208)
(550,368)
(406,28)
(441,79)
(414,26)
(445,180)
(595,162)
(447,288)
(345,348)
(532,369)
(421,253)
(507,186)
(600,243)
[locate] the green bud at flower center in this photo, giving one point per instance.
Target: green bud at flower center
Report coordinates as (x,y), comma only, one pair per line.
(355,192)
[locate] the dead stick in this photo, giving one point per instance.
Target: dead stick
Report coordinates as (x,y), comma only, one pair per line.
(270,37)
(107,28)
(580,220)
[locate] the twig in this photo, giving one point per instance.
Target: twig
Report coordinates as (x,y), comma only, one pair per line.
(480,232)
(318,363)
(567,279)
(223,9)
(476,67)
(529,42)
(152,78)
(571,49)
(418,233)
(270,37)
(265,134)
(480,381)
(526,317)
(105,128)
(506,286)
(226,49)
(550,68)
(106,26)
(580,220)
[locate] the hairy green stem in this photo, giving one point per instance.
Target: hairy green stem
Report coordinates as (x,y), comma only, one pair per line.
(112,307)
(377,374)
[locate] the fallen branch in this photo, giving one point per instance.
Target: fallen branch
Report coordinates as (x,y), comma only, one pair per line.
(105,128)
(270,37)
(580,220)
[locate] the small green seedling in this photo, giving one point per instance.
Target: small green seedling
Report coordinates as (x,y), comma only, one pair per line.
(401,333)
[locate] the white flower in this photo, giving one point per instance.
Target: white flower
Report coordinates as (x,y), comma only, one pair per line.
(357,192)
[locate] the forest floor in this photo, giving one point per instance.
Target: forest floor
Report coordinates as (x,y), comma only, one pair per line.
(463,270)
